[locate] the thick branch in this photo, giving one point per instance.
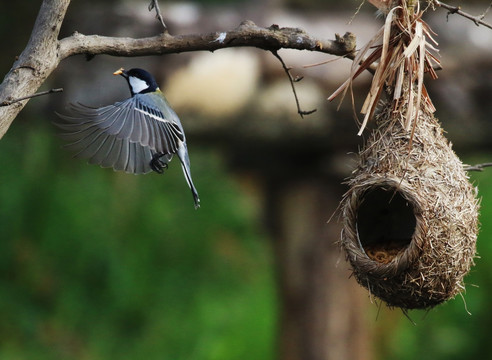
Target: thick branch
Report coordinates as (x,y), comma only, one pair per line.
(44,51)
(36,62)
(246,34)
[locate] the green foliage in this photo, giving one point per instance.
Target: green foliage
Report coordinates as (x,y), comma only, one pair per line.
(96,264)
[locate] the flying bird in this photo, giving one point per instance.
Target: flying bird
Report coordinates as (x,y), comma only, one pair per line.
(138,135)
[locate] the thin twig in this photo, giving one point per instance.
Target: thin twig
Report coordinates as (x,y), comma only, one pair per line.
(322,62)
(10,102)
(356,12)
(477,167)
(457,10)
(292,80)
(486,11)
(154,4)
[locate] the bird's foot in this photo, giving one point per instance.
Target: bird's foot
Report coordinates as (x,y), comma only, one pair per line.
(157,165)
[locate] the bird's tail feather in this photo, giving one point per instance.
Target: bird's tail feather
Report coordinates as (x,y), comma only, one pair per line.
(185,165)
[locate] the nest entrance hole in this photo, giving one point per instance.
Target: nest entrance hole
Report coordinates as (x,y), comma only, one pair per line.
(385,223)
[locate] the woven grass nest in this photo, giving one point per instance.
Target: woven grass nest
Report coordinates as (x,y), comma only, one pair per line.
(410,217)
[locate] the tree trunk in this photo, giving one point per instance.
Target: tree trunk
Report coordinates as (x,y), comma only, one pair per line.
(322,313)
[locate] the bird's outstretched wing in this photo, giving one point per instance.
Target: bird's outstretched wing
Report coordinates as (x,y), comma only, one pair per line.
(125,136)
(137,135)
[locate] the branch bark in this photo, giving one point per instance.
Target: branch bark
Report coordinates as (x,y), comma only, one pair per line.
(44,51)
(246,34)
(35,63)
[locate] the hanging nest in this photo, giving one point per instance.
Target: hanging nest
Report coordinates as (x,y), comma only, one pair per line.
(410,217)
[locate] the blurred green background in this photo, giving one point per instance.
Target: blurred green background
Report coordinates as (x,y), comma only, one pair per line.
(96,264)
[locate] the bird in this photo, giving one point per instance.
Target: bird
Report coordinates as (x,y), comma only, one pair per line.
(138,135)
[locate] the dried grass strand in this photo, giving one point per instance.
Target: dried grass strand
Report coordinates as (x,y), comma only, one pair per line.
(406,43)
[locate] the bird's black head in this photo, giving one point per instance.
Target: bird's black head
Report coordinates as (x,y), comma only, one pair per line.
(139,80)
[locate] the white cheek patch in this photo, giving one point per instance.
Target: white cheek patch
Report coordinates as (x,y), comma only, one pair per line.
(137,84)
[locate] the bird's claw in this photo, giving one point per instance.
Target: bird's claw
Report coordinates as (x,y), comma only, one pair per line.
(157,165)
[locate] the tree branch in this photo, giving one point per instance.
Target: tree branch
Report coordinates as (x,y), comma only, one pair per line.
(154,4)
(10,102)
(35,63)
(457,10)
(44,51)
(477,167)
(292,81)
(247,34)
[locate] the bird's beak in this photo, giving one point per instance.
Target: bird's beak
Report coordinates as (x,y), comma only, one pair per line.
(120,71)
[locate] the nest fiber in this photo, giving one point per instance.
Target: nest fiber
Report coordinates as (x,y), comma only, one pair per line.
(410,216)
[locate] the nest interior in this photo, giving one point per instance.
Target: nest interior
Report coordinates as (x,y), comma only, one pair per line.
(410,214)
(385,223)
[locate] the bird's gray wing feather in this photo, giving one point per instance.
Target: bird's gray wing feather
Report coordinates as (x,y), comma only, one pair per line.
(159,121)
(124,136)
(138,119)
(106,150)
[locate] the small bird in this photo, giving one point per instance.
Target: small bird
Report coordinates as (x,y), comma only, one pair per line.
(137,135)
